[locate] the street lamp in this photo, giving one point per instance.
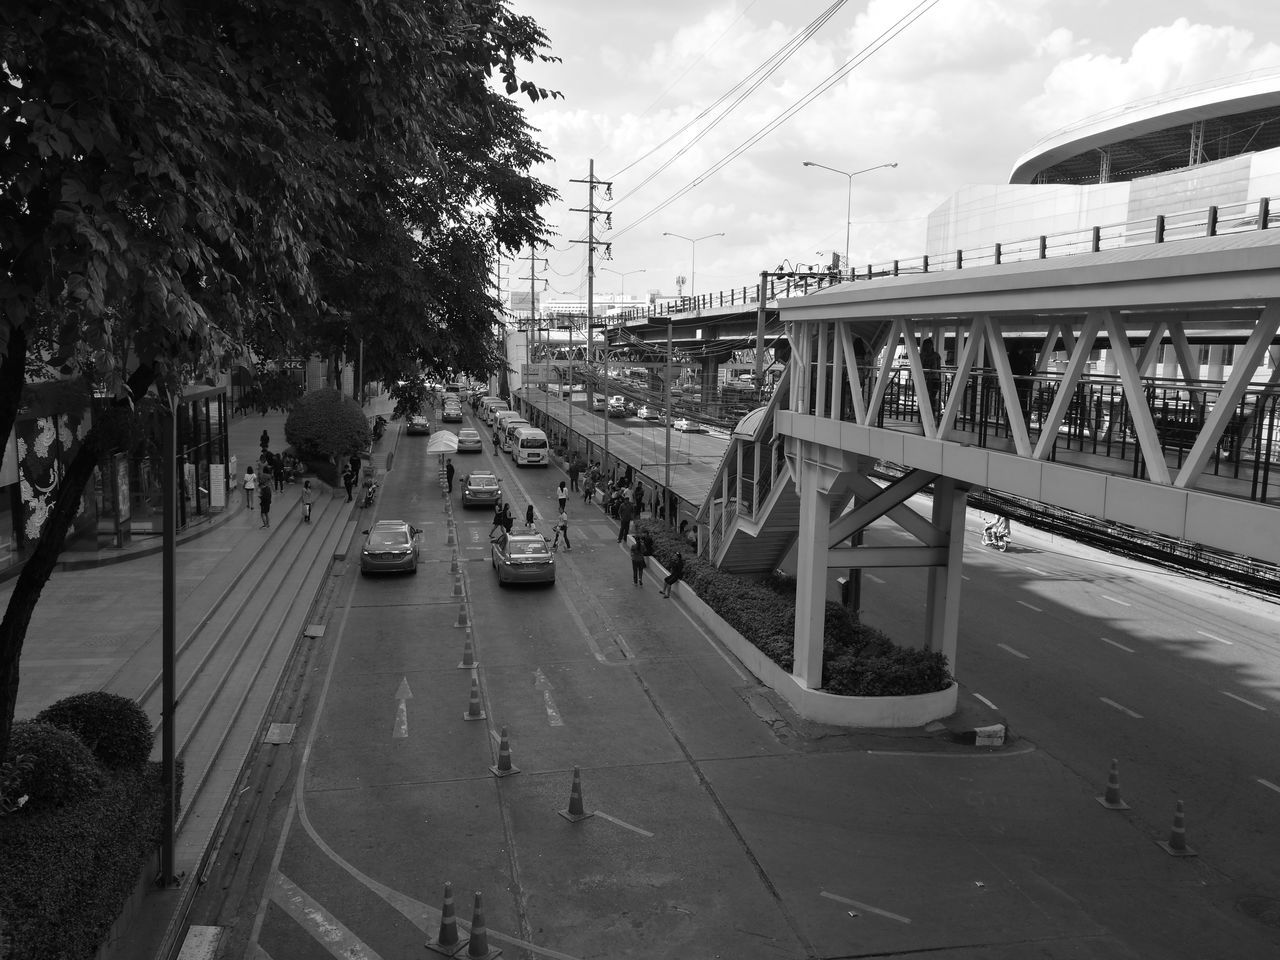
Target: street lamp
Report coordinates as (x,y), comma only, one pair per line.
(848,206)
(693,257)
(622,286)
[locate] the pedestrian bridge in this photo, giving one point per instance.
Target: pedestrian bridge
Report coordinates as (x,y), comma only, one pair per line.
(1112,414)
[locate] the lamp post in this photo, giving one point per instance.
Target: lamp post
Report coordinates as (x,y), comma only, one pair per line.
(848,206)
(693,256)
(622,286)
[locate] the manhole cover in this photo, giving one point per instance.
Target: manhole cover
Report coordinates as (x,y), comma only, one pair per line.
(1263,909)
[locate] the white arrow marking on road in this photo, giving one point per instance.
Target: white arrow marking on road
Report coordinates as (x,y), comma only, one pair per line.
(403,693)
(1123,603)
(1017,653)
(1247,703)
(1114,644)
(1122,709)
(540,682)
(1212,637)
(866,907)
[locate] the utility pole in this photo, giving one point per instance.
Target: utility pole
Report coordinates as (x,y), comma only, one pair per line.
(591,210)
(533,279)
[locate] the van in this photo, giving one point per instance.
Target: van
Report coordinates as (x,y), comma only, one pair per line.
(500,418)
(489,406)
(507,438)
(530,448)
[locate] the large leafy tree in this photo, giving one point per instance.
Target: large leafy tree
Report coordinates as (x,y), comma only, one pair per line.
(182,184)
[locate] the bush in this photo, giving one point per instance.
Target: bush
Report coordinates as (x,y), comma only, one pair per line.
(898,673)
(327,425)
(63,770)
(115,728)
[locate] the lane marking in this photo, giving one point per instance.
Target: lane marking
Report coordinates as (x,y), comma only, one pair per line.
(623,823)
(540,682)
(865,906)
(1123,603)
(1017,653)
(1118,645)
(872,576)
(1038,573)
(327,929)
(1247,703)
(1030,606)
(403,693)
(963,577)
(1122,709)
(986,701)
(1213,637)
(1268,784)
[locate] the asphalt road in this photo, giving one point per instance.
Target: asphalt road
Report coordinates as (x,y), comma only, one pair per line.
(724,827)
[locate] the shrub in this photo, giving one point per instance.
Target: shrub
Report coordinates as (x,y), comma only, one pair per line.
(327,424)
(115,728)
(898,673)
(63,770)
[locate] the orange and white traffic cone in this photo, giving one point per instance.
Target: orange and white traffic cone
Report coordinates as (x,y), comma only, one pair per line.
(473,708)
(504,767)
(575,811)
(457,586)
(447,941)
(1111,799)
(462,617)
(1176,845)
(478,945)
(453,567)
(469,661)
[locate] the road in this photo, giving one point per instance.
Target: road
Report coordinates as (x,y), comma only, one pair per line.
(723,826)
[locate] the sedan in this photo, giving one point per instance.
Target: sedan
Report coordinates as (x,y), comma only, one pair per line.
(452,413)
(469,440)
(648,412)
(419,423)
(688,426)
(390,546)
(482,489)
(522,558)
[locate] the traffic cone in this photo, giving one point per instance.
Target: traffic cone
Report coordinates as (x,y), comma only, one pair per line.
(469,661)
(478,945)
(1176,845)
(453,566)
(473,708)
(447,942)
(457,586)
(575,811)
(462,616)
(450,541)
(1111,799)
(504,767)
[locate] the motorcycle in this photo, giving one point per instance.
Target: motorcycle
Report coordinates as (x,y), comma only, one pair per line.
(370,490)
(994,538)
(379,426)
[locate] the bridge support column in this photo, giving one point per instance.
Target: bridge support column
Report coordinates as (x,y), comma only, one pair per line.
(710,376)
(942,605)
(811,571)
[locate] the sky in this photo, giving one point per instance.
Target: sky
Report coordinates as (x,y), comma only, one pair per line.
(953,91)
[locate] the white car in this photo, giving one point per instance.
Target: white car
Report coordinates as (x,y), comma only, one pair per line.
(648,413)
(685,425)
(469,440)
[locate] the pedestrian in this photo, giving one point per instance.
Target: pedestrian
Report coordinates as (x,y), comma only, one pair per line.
(277,471)
(264,504)
(250,485)
(508,518)
(639,498)
(562,497)
(264,441)
(497,528)
(448,473)
(625,513)
(675,572)
(637,563)
(308,498)
(562,530)
(348,481)
(528,517)
(932,364)
(575,470)
(264,471)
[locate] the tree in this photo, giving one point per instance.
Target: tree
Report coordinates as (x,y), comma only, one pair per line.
(177,191)
(327,423)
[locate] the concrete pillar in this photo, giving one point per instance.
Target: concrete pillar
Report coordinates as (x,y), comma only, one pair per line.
(942,603)
(710,376)
(1169,362)
(811,573)
(1217,366)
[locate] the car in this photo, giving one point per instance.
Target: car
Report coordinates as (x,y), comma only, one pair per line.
(599,403)
(482,488)
(469,440)
(452,413)
(648,412)
(419,423)
(390,546)
(685,425)
(522,558)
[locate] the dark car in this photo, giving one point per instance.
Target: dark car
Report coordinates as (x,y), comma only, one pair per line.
(522,558)
(481,488)
(390,546)
(419,424)
(452,413)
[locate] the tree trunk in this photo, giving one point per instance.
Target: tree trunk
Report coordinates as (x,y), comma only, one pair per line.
(40,565)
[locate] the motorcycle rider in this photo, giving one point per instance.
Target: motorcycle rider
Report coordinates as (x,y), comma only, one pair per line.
(997,530)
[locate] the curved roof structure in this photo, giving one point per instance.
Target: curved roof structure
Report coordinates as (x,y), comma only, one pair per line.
(1179,129)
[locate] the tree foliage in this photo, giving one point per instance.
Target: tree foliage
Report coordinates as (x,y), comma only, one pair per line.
(183,184)
(326,423)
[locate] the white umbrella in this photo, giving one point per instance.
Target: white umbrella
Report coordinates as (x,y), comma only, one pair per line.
(442,441)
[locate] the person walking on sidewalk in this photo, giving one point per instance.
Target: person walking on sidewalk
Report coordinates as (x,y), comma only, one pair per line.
(673,575)
(277,471)
(575,470)
(264,503)
(348,481)
(562,530)
(637,562)
(308,498)
(448,474)
(562,497)
(625,513)
(528,517)
(250,485)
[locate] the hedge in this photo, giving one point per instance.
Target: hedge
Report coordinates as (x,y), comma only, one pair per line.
(62,770)
(115,728)
(858,660)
